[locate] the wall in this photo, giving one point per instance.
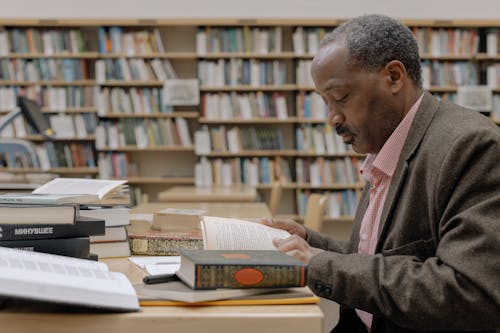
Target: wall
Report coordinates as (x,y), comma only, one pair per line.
(421,9)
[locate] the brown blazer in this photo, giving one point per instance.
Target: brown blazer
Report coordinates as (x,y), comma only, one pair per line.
(437,261)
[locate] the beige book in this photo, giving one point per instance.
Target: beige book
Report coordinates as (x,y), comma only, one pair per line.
(172,219)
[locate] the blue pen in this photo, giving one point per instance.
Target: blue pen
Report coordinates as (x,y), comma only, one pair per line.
(160,278)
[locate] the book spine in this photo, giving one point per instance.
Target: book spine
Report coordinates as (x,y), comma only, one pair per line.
(164,247)
(69,247)
(242,276)
(12,232)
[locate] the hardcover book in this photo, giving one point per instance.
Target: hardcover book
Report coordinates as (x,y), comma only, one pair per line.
(37,214)
(83,226)
(111,249)
(58,279)
(161,242)
(70,247)
(212,269)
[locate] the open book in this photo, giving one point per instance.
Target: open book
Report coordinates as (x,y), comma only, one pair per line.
(220,233)
(58,279)
(109,192)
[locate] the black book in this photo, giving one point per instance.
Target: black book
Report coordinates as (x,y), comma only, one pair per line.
(69,247)
(83,226)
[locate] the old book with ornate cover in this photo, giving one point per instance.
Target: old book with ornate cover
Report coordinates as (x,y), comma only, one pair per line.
(161,242)
(211,269)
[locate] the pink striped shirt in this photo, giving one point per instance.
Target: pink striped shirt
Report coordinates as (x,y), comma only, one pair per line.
(378,170)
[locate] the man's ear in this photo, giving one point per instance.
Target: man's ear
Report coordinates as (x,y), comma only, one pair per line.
(395,74)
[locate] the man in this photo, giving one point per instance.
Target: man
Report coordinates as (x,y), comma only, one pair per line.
(425,250)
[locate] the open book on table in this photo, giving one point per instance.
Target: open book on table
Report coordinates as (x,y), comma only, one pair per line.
(57,279)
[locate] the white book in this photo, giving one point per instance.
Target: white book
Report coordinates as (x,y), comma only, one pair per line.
(298,41)
(111,249)
(20,127)
(281,110)
(492,43)
(201,42)
(100,71)
(315,174)
(183,129)
(158,41)
(43,157)
(233,140)
(81,130)
(4,43)
(59,279)
(108,191)
(113,217)
(202,143)
(63,125)
(319,142)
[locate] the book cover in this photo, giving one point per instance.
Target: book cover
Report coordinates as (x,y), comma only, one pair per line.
(69,247)
(110,249)
(178,291)
(83,226)
(161,242)
(212,269)
(179,294)
(63,280)
(47,199)
(37,214)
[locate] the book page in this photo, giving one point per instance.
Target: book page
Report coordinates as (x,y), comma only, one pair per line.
(79,186)
(59,279)
(233,234)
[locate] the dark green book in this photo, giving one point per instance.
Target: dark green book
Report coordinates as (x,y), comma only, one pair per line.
(212,269)
(83,226)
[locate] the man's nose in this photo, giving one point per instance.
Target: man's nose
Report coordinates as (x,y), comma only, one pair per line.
(335,118)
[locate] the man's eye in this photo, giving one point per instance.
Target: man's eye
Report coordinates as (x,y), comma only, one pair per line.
(343,99)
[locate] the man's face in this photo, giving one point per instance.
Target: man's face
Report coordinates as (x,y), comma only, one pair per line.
(361,106)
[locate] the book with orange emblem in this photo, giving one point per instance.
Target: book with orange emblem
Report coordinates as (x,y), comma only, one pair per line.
(211,269)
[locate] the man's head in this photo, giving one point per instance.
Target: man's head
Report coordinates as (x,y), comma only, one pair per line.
(368,72)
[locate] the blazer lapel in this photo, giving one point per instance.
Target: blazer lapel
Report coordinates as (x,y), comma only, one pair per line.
(421,122)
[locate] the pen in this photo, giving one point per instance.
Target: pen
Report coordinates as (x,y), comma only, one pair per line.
(150,279)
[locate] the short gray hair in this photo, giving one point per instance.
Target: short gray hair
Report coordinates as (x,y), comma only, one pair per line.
(375,40)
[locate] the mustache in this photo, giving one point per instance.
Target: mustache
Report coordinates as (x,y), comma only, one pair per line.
(343,130)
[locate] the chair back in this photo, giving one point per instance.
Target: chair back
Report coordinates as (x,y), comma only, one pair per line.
(315,210)
(275,197)
(18,147)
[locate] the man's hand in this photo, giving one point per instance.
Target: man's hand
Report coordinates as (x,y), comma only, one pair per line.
(296,247)
(286,224)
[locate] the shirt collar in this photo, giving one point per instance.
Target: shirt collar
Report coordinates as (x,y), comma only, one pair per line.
(386,160)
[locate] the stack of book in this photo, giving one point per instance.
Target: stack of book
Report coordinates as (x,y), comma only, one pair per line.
(114,242)
(47,223)
(111,204)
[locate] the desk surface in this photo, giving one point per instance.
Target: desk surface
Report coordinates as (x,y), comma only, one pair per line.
(209,194)
(227,209)
(207,319)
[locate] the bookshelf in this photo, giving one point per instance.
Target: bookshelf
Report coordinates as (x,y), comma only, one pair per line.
(258,111)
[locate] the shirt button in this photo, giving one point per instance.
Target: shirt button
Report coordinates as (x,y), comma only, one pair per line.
(318,287)
(364,236)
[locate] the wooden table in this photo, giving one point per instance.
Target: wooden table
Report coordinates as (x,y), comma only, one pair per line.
(172,319)
(227,209)
(209,194)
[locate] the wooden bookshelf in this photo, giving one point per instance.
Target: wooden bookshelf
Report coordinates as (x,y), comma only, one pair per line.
(180,49)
